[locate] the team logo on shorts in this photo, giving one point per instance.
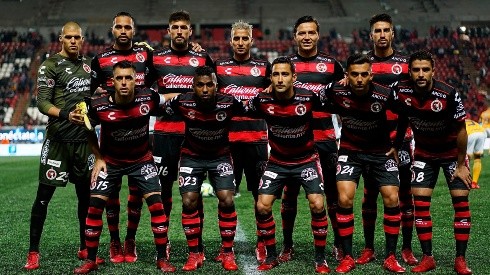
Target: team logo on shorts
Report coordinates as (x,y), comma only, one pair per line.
(86,68)
(255,71)
(221,115)
(300,109)
(194,62)
(181,181)
(169,111)
(225,169)
(144,109)
(50,83)
(321,67)
(140,57)
(148,171)
(91,161)
(309,174)
(376,107)
(452,167)
(404,157)
(339,168)
(396,69)
(51,174)
(391,165)
(436,105)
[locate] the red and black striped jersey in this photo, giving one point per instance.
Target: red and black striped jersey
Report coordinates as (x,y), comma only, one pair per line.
(386,71)
(288,124)
(173,72)
(206,127)
(124,130)
(433,116)
(314,73)
(102,66)
(364,123)
(244,80)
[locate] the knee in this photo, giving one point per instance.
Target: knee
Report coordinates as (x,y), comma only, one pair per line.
(345,201)
(263,209)
(317,206)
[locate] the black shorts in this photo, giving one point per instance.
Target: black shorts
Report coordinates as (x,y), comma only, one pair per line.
(425,174)
(250,158)
(193,171)
(166,154)
(61,162)
(276,176)
(378,168)
(143,175)
(328,160)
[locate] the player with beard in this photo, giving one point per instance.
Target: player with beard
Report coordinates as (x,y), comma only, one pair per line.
(436,115)
(365,148)
(389,66)
(314,70)
(63,81)
(173,70)
(123,30)
(206,152)
(124,116)
(244,77)
(293,160)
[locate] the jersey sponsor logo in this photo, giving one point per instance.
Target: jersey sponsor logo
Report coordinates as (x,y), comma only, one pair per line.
(157,159)
(376,107)
(140,57)
(309,174)
(343,158)
(187,170)
(177,81)
(107,53)
(78,85)
(123,135)
(193,62)
(396,69)
(346,103)
(51,174)
(287,132)
(409,91)
(100,108)
(321,67)
(419,164)
(408,101)
(111,115)
(270,174)
(208,135)
(86,68)
(300,109)
(224,169)
(391,165)
(55,163)
(140,99)
(436,105)
(309,86)
(144,109)
(221,115)
(149,171)
(380,97)
(228,70)
(439,94)
(140,79)
(241,92)
(255,71)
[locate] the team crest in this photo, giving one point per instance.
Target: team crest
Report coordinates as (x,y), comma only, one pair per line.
(51,174)
(321,67)
(144,109)
(87,68)
(50,82)
(194,62)
(436,105)
(396,69)
(309,174)
(225,169)
(255,71)
(140,57)
(376,107)
(391,165)
(300,109)
(220,116)
(149,171)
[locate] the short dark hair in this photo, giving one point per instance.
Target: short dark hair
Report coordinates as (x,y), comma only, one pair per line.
(123,13)
(181,15)
(123,64)
(306,19)
(204,71)
(382,17)
(421,55)
(284,60)
(358,59)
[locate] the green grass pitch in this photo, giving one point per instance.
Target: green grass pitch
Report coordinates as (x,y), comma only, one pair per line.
(18,184)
